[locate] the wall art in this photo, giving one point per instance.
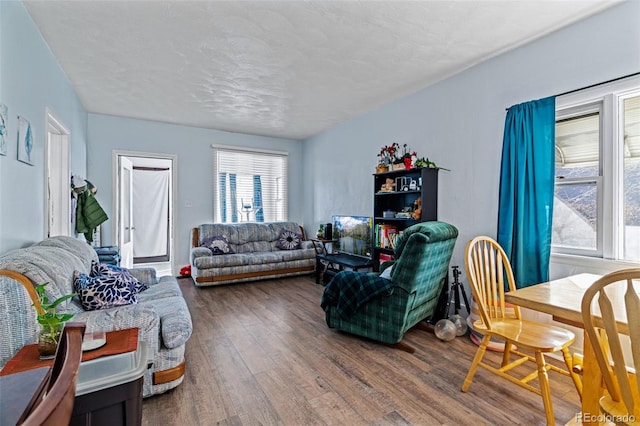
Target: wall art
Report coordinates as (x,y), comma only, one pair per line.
(3,129)
(25,141)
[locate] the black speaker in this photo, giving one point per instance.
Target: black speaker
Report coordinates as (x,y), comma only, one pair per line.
(328,231)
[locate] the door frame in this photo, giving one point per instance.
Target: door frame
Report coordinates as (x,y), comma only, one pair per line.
(173,211)
(53,124)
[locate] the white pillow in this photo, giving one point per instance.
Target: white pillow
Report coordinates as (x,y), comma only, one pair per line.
(387,273)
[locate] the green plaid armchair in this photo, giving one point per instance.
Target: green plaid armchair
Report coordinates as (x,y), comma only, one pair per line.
(368,305)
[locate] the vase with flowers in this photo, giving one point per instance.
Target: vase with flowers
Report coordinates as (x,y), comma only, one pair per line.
(387,157)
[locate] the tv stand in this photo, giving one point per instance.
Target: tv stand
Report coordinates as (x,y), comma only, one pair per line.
(327,265)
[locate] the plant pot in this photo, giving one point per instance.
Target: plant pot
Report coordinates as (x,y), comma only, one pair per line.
(398,166)
(48,341)
(407,163)
(381,168)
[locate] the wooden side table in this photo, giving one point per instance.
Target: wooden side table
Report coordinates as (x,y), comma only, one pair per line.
(109,381)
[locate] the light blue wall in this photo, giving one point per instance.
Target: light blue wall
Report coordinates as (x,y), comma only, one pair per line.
(458,123)
(30,81)
(195,180)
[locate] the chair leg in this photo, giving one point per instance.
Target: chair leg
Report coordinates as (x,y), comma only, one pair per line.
(506,354)
(545,388)
(476,362)
(568,360)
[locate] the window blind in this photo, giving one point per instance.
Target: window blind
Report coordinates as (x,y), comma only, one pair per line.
(249,185)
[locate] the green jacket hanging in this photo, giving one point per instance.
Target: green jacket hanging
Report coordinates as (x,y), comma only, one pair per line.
(89,215)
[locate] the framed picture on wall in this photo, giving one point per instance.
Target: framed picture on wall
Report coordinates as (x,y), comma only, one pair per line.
(25,141)
(3,129)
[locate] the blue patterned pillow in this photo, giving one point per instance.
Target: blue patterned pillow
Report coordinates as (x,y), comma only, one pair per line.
(99,269)
(105,291)
(289,240)
(218,245)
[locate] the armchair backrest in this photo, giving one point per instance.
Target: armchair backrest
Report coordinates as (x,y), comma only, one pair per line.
(423,252)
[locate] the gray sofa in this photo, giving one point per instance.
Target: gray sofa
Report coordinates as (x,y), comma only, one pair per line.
(255,253)
(161,314)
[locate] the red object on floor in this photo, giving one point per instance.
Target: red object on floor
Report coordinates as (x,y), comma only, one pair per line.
(185,271)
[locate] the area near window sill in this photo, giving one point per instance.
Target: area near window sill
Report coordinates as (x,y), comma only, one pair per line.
(562,265)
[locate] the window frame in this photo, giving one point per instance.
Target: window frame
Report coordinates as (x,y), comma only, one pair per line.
(283,197)
(574,112)
(610,97)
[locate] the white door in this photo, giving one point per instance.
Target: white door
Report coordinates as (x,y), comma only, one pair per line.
(125,225)
(57,179)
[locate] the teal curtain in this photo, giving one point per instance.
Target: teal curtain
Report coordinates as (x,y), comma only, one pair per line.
(527,188)
(257,198)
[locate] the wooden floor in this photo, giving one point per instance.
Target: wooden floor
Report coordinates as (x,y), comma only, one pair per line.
(262,354)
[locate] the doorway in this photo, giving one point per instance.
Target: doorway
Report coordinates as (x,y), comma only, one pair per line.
(57,175)
(145,210)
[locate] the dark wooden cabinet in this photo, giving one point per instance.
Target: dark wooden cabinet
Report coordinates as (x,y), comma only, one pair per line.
(390,207)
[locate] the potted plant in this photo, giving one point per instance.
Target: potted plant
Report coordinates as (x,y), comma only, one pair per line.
(51,322)
(407,158)
(386,157)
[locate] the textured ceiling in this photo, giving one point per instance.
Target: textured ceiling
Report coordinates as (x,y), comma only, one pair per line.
(276,68)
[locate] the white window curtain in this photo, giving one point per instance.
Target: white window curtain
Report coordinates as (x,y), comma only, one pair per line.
(249,185)
(151,215)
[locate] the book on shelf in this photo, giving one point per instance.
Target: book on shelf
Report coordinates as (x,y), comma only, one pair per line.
(386,236)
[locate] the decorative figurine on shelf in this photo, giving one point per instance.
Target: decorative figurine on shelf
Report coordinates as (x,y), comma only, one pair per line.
(417,209)
(407,157)
(389,186)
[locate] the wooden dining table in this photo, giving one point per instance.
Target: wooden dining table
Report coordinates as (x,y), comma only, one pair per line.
(562,299)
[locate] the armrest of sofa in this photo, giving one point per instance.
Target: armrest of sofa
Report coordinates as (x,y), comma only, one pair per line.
(145,275)
(197,252)
(306,244)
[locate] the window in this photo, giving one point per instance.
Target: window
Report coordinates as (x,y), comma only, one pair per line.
(249,185)
(597,190)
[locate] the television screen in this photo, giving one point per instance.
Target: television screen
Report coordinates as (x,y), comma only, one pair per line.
(353,234)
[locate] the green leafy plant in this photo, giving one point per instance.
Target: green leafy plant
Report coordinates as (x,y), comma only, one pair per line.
(48,317)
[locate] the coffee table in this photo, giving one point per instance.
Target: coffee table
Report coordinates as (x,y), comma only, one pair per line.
(334,262)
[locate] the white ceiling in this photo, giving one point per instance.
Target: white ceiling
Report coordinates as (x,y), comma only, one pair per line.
(287,69)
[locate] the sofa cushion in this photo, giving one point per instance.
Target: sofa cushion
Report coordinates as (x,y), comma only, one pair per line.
(99,269)
(289,240)
(104,291)
(300,254)
(218,244)
(237,260)
(165,288)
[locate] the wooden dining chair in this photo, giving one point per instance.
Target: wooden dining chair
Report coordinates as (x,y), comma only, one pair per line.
(490,275)
(621,402)
(53,404)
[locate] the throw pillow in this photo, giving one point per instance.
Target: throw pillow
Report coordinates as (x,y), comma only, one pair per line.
(289,240)
(99,269)
(103,292)
(387,273)
(218,245)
